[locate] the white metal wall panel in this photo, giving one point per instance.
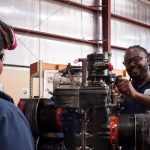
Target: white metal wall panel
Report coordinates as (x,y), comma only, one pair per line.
(66,20)
(148,14)
(87,26)
(117,59)
(27,51)
(51,51)
(77,1)
(132,9)
(60,19)
(20,13)
(52,17)
(125,34)
(62,52)
(85,2)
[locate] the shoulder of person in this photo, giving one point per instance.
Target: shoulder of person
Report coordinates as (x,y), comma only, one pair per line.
(6,97)
(147,89)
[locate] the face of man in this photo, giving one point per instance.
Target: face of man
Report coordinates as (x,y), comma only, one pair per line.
(136,63)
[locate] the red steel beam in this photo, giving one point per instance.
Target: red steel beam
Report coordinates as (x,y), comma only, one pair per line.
(55,36)
(106,25)
(49,35)
(119,48)
(130,21)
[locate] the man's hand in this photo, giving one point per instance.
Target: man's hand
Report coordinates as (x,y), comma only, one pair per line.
(125,87)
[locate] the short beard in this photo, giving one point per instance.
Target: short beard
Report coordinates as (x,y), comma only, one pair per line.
(142,74)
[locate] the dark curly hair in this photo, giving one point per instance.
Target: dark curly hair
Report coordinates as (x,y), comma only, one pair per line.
(140,48)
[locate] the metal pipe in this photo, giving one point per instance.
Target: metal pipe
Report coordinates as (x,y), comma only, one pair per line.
(97,25)
(41,79)
(106,25)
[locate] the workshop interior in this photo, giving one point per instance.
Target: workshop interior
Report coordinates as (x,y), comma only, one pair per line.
(65,67)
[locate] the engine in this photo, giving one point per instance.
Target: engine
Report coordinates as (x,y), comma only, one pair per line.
(84,112)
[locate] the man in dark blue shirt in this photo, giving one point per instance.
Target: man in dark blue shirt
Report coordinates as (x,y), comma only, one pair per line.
(15,131)
(135,107)
(137,89)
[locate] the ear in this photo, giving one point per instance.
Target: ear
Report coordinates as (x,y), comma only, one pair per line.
(148,61)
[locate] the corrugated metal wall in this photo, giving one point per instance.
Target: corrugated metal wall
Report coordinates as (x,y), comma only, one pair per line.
(126,34)
(63,19)
(51,17)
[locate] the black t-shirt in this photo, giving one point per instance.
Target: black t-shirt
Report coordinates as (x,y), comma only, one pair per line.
(133,107)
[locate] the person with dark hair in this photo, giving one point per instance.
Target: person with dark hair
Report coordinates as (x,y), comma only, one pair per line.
(15,133)
(137,89)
